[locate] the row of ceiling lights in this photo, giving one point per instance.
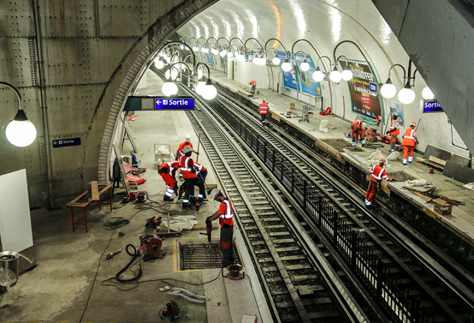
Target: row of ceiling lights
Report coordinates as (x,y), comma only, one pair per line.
(406,95)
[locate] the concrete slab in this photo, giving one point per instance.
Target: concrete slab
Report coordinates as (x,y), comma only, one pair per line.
(462,218)
(246,303)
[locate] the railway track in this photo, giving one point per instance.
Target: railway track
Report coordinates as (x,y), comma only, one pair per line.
(407,287)
(299,283)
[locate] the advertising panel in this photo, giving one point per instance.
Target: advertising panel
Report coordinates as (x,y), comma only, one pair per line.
(365,100)
(308,85)
(289,78)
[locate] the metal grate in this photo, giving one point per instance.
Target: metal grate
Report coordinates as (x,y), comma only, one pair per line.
(202,255)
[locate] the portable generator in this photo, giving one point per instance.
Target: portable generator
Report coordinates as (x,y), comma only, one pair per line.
(150,247)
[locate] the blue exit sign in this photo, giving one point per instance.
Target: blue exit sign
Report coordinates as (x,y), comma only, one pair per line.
(174,104)
(431,106)
(66,142)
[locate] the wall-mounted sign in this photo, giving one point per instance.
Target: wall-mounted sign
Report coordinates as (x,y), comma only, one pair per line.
(365,100)
(66,142)
(430,106)
(290,78)
(174,104)
(308,85)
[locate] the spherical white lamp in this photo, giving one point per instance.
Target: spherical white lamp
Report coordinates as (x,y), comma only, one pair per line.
(214,51)
(304,66)
(286,66)
(406,95)
(174,73)
(200,87)
(318,76)
(230,54)
(427,93)
(209,91)
(195,48)
(335,75)
(20,131)
(204,50)
(388,90)
(167,74)
(276,60)
(159,64)
(223,52)
(169,88)
(199,74)
(346,75)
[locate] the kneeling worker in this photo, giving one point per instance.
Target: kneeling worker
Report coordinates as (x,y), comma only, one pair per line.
(263,110)
(408,143)
(253,83)
(357,132)
(190,177)
(377,173)
(226,220)
(168,171)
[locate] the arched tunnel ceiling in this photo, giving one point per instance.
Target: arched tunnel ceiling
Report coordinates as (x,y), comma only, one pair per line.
(324,23)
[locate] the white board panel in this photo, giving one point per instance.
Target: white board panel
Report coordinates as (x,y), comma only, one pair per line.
(15,220)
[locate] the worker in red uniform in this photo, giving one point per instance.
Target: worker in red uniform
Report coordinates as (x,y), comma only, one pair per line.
(357,132)
(377,173)
(201,171)
(180,153)
(226,220)
(263,110)
(168,172)
(408,143)
(190,177)
(394,132)
(253,83)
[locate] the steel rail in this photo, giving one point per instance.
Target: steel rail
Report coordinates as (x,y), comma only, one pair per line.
(400,262)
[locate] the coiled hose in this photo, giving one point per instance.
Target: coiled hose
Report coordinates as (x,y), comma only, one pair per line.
(134,255)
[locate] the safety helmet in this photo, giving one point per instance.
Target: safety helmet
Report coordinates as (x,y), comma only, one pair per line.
(364,125)
(217,195)
(187,149)
(382,161)
(395,115)
(264,100)
(188,138)
(412,124)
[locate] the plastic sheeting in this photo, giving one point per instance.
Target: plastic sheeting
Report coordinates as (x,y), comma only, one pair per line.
(180,223)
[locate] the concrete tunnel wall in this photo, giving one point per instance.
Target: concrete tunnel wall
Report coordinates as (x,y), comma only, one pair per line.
(325,23)
(92,52)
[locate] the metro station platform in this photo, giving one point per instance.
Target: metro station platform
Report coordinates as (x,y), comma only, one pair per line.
(462,218)
(70,282)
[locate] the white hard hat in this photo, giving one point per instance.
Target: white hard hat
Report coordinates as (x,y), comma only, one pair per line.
(187,149)
(364,125)
(188,138)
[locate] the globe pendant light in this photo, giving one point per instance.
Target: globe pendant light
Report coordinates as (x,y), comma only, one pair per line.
(209,91)
(406,95)
(347,74)
(174,74)
(20,131)
(388,90)
(335,75)
(276,60)
(427,94)
(318,75)
(304,66)
(286,66)
(222,53)
(230,54)
(159,64)
(200,87)
(169,88)
(199,74)
(204,50)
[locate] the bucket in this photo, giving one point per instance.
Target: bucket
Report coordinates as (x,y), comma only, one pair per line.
(9,268)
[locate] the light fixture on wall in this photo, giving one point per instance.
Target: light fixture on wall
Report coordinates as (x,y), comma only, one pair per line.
(335,75)
(208,91)
(276,60)
(347,72)
(318,75)
(406,95)
(286,65)
(159,64)
(258,59)
(169,88)
(20,131)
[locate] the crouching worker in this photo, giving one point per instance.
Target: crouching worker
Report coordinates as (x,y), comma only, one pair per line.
(168,173)
(226,220)
(377,173)
(357,132)
(190,177)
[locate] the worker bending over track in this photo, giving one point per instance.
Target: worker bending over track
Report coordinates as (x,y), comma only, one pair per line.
(168,173)
(253,83)
(408,143)
(226,220)
(357,132)
(179,153)
(394,132)
(263,110)
(377,173)
(190,177)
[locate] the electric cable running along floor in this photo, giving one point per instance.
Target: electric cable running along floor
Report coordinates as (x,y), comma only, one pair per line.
(296,289)
(408,290)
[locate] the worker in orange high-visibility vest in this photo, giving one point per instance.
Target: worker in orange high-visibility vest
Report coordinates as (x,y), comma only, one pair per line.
(226,220)
(263,110)
(253,83)
(408,143)
(357,132)
(190,177)
(168,173)
(377,173)
(394,132)
(180,153)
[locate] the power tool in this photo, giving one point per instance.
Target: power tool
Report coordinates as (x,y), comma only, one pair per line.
(208,230)
(150,247)
(112,254)
(171,312)
(153,222)
(142,196)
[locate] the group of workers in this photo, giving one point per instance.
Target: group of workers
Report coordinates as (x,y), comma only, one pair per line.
(193,173)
